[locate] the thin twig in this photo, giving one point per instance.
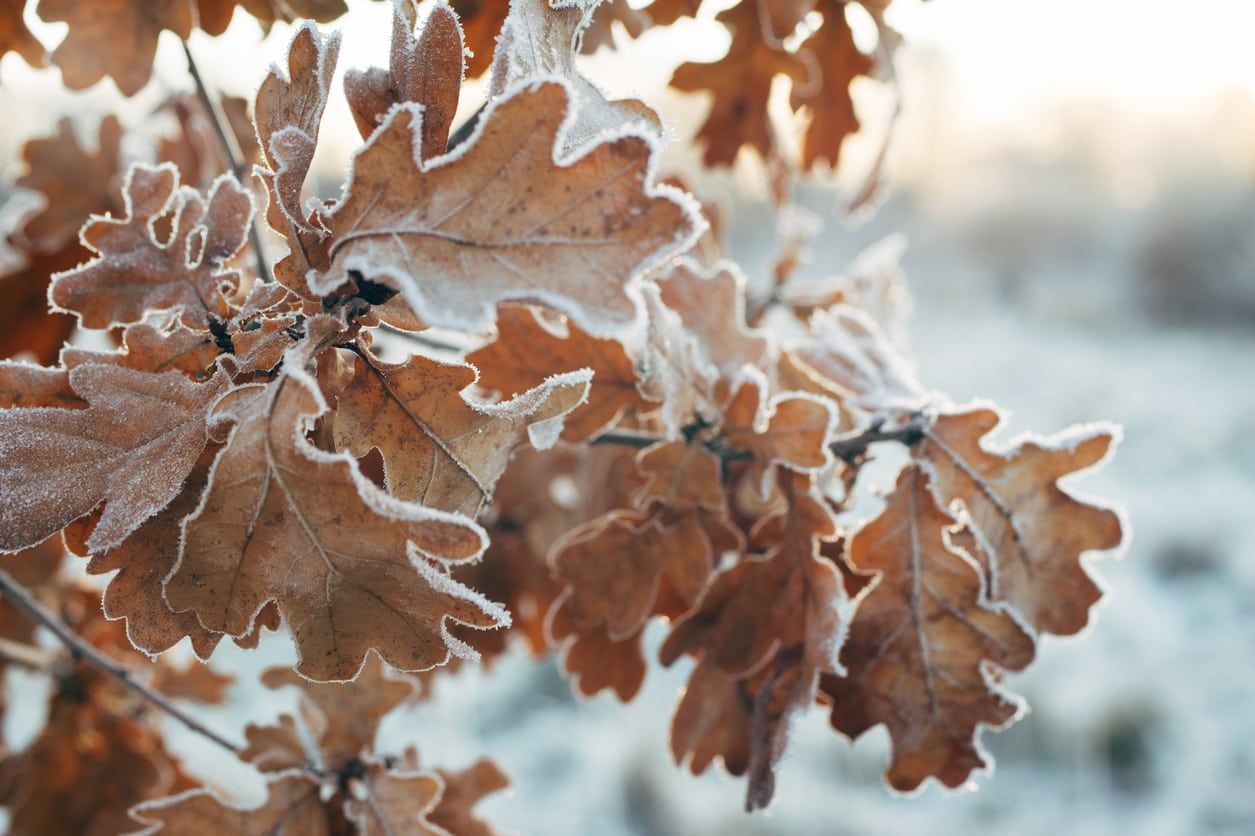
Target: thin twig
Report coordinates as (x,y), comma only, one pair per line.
(230,149)
(21,598)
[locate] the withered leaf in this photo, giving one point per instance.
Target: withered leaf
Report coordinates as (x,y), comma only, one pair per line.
(26,385)
(395,803)
(135,272)
(712,306)
(463,789)
(439,448)
(74,183)
(15,37)
(592,659)
(507,218)
(527,350)
(288,113)
(115,38)
(832,114)
(921,643)
(481,23)
(150,348)
(1033,531)
(293,805)
(26,324)
(680,476)
(782,17)
(274,748)
(741,85)
(426,69)
(214,15)
(79,458)
(600,31)
(792,430)
(349,567)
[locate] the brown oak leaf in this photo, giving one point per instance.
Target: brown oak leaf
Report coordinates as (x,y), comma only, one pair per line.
(832,113)
(151,348)
(131,448)
(26,324)
(135,273)
(426,69)
(506,218)
(712,306)
(481,24)
(215,15)
(439,448)
(592,659)
(680,476)
(463,789)
(600,31)
(921,645)
(349,567)
(1033,531)
(115,38)
(293,805)
(740,84)
(528,349)
(26,385)
(395,802)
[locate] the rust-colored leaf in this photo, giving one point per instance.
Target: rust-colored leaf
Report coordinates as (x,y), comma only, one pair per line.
(481,23)
(131,448)
(920,648)
(426,69)
(135,272)
(293,805)
(26,324)
(1034,531)
(528,350)
(115,38)
(463,789)
(395,802)
(349,567)
(792,430)
(712,306)
(15,37)
(507,218)
(828,100)
(438,447)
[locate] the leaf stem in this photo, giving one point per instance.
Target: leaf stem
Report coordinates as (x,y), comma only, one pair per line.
(80,649)
(230,149)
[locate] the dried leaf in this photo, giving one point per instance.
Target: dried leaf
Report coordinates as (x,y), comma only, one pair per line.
(350,568)
(26,385)
(782,17)
(214,15)
(395,803)
(26,324)
(1033,531)
(79,458)
(832,114)
(849,351)
(149,348)
(527,350)
(792,430)
(921,644)
(115,38)
(455,811)
(592,659)
(681,476)
(481,24)
(135,272)
(293,805)
(600,31)
(439,448)
(506,219)
(15,37)
(741,84)
(426,69)
(274,748)
(712,306)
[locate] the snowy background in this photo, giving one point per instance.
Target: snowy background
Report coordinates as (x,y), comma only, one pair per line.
(1077,185)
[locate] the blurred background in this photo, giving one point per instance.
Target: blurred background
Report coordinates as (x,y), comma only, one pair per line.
(1075,186)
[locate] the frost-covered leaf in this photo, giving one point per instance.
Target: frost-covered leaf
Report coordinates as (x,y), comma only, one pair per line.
(827,98)
(150,348)
(115,38)
(27,327)
(740,84)
(481,23)
(507,218)
(922,642)
(712,306)
(1033,531)
(293,805)
(131,448)
(27,385)
(681,476)
(276,748)
(288,112)
(395,803)
(439,448)
(528,349)
(592,659)
(426,69)
(135,272)
(675,370)
(349,567)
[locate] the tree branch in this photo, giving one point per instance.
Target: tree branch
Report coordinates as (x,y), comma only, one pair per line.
(231,150)
(21,598)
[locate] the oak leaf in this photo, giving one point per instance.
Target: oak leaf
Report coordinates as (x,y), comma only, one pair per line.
(921,645)
(594,660)
(740,84)
(507,218)
(79,458)
(152,348)
(115,38)
(832,113)
(481,22)
(135,273)
(275,748)
(528,349)
(711,304)
(1033,531)
(439,448)
(26,324)
(680,476)
(395,802)
(782,17)
(214,15)
(349,567)
(426,69)
(464,789)
(26,385)
(293,805)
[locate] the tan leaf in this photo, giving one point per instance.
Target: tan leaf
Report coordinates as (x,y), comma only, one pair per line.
(600,31)
(439,448)
(481,24)
(455,811)
(712,721)
(195,148)
(792,430)
(426,69)
(292,805)
(26,324)
(527,351)
(275,748)
(1034,531)
(74,183)
(676,371)
(115,38)
(740,84)
(350,568)
(196,681)
(850,351)
(26,385)
(288,113)
(506,218)
(214,15)
(832,113)
(15,37)
(712,306)
(135,273)
(395,803)
(592,659)
(149,348)
(681,476)
(103,453)
(921,644)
